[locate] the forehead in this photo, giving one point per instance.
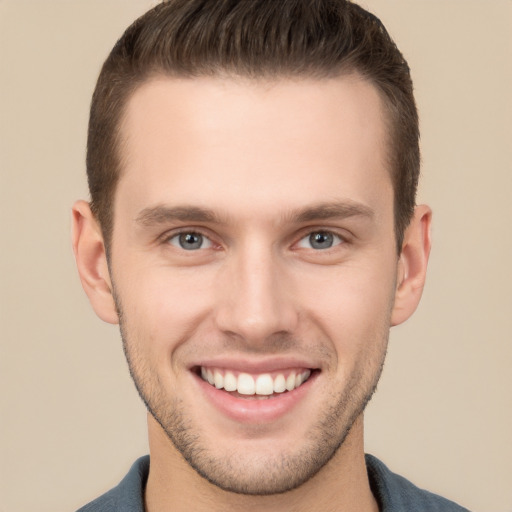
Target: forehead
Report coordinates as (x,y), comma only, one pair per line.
(229,139)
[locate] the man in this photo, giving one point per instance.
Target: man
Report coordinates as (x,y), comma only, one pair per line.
(253,230)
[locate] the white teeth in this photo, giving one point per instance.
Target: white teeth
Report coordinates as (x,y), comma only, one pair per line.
(230,382)
(302,377)
(218,379)
(279,384)
(246,385)
(290,382)
(263,386)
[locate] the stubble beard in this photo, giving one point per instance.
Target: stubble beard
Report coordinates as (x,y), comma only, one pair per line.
(283,472)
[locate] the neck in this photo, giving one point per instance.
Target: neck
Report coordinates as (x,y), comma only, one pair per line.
(341,485)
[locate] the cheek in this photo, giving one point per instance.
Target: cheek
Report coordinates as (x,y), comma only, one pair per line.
(351,304)
(162,307)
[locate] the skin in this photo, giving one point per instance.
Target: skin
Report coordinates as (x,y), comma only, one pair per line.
(255,167)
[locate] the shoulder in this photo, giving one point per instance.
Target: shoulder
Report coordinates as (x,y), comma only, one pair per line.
(396,494)
(128,495)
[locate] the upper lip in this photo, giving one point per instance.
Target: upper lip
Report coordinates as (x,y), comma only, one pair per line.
(256,366)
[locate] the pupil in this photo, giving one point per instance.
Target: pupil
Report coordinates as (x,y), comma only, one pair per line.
(191,241)
(321,240)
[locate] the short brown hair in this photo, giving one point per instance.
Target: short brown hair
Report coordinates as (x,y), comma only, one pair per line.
(255,39)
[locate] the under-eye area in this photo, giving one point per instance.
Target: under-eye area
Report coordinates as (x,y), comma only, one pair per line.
(255,386)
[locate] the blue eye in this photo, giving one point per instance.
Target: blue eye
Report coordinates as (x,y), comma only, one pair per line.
(190,241)
(320,240)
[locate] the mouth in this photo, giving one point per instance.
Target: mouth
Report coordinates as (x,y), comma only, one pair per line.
(260,386)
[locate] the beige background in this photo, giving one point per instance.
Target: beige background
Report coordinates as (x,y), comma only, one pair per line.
(71,422)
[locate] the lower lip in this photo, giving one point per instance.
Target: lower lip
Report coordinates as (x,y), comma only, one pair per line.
(255,411)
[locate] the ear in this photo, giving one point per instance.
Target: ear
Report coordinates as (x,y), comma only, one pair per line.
(91,261)
(412,265)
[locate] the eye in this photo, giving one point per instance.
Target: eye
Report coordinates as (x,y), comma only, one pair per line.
(320,240)
(190,241)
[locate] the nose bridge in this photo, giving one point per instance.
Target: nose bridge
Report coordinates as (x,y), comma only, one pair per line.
(254,300)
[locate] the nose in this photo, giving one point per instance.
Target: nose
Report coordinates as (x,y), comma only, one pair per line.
(255,298)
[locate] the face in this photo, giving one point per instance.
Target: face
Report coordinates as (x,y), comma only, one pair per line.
(254,266)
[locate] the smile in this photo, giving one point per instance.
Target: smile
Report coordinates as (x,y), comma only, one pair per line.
(259,386)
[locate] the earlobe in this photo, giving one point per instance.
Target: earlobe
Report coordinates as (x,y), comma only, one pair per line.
(91,261)
(412,265)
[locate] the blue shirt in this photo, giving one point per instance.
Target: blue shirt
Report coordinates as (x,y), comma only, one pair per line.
(392,492)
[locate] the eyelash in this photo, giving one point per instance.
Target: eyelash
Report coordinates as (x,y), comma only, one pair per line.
(166,239)
(336,238)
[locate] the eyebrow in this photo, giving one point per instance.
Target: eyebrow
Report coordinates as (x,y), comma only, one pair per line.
(161,214)
(332,210)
